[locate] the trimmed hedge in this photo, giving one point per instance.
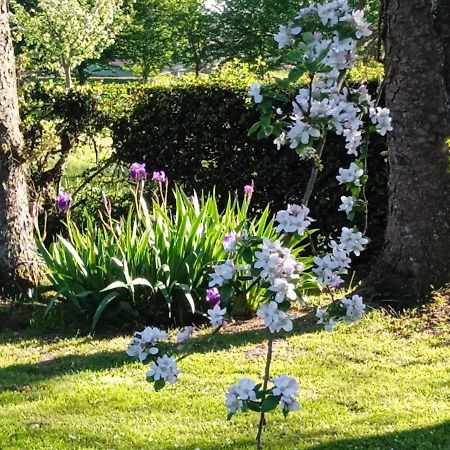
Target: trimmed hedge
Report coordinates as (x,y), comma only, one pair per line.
(198,134)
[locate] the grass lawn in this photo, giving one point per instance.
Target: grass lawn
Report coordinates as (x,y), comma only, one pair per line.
(381,384)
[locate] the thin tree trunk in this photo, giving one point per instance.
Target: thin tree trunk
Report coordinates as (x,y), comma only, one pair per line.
(67,74)
(19,263)
(417,239)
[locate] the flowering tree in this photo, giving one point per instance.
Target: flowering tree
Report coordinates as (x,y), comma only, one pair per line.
(61,34)
(321,43)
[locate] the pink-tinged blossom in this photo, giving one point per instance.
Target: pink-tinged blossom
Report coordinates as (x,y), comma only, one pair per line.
(160,177)
(185,334)
(230,242)
(248,189)
(213,296)
(138,172)
(63,201)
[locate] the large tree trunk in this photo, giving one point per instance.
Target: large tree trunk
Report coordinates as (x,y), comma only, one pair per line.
(19,263)
(442,19)
(417,240)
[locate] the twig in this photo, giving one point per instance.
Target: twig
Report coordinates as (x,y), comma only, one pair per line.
(262,420)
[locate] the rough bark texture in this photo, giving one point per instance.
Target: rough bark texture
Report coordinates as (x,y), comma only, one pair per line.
(19,263)
(417,240)
(442,20)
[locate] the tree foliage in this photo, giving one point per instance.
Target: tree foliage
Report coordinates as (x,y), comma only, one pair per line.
(61,34)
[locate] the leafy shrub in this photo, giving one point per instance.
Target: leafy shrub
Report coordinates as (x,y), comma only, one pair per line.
(150,267)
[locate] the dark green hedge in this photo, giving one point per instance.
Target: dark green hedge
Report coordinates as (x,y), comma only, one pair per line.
(198,134)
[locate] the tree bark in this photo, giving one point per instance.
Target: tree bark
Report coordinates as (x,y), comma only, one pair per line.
(417,240)
(67,74)
(19,262)
(442,20)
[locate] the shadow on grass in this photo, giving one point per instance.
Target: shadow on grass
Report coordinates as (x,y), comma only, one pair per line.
(436,437)
(20,376)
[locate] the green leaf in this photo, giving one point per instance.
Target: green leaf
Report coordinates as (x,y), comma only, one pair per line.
(52,301)
(141,282)
(255,127)
(159,384)
(104,303)
(115,285)
(270,403)
(254,406)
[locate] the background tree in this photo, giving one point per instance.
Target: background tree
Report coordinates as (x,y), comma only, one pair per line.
(417,239)
(197,34)
(61,34)
(248,26)
(148,39)
(19,264)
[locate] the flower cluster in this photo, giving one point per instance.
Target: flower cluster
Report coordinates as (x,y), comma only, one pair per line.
(294,219)
(222,272)
(287,389)
(328,268)
(160,177)
(138,172)
(144,343)
(346,310)
(163,369)
(246,394)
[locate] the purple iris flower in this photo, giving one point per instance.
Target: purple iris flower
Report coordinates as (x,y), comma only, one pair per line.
(138,172)
(159,176)
(213,296)
(63,201)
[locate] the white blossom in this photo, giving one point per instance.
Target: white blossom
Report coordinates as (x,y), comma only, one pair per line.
(381,119)
(302,132)
(355,308)
(294,219)
(143,343)
(216,314)
(274,318)
(165,368)
(350,175)
(352,241)
(285,35)
(222,272)
(255,92)
(357,20)
(284,290)
(330,326)
(321,314)
(347,204)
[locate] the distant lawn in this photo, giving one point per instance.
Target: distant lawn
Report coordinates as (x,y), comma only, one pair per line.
(381,384)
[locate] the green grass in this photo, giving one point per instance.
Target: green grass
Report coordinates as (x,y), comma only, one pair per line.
(381,384)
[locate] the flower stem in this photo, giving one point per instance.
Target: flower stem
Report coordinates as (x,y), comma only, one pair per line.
(262,420)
